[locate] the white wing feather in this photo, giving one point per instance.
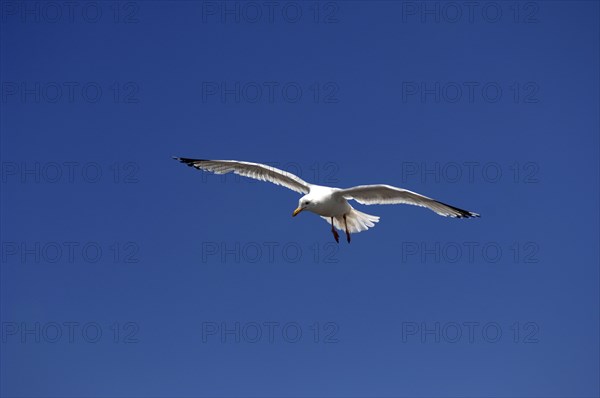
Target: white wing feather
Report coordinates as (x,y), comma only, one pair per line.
(387,194)
(257,171)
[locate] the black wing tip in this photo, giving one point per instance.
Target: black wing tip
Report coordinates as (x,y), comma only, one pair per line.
(470,215)
(461,213)
(190,162)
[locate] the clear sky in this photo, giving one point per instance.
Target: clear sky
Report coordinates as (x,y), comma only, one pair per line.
(125,273)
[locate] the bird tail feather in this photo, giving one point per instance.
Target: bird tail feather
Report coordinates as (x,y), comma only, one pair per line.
(357,221)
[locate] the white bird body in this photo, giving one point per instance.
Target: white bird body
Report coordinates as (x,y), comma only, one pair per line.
(328,202)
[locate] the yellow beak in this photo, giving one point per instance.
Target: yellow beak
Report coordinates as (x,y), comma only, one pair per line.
(298,210)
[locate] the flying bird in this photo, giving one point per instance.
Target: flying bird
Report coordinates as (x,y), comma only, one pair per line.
(328,202)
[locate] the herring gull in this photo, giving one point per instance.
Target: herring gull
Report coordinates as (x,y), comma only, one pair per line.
(328,202)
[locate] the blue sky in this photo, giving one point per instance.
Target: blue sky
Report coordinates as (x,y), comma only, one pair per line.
(125,273)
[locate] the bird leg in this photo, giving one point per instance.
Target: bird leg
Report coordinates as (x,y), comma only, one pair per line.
(347,233)
(335,234)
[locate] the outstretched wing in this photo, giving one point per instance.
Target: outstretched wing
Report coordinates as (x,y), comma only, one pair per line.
(386,194)
(257,171)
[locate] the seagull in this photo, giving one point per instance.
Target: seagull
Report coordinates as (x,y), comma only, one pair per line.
(328,202)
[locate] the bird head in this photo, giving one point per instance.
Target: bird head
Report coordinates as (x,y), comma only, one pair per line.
(305,203)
